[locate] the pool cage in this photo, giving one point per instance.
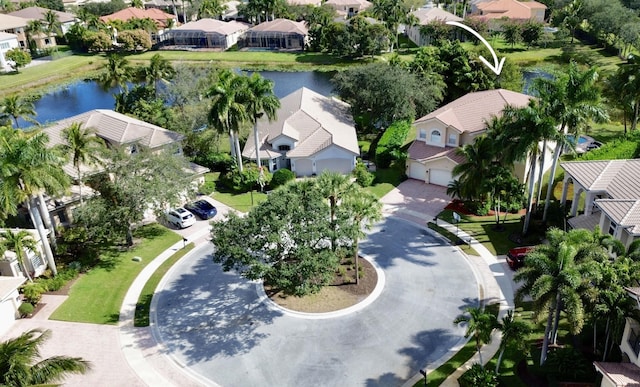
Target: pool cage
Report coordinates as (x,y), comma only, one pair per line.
(273,40)
(200,39)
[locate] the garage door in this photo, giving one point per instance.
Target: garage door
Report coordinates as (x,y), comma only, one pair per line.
(417,171)
(6,315)
(440,177)
(334,165)
(304,167)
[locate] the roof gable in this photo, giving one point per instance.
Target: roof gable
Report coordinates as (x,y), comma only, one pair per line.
(157,15)
(619,178)
(8,22)
(624,212)
(281,25)
(510,8)
(428,15)
(213,26)
(39,13)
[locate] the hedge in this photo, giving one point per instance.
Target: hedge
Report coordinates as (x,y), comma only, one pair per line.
(392,139)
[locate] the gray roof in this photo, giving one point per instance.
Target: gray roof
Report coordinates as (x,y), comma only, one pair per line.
(624,212)
(8,22)
(213,26)
(7,36)
(39,13)
(282,25)
(621,374)
(116,128)
(312,120)
(428,15)
(619,178)
(469,113)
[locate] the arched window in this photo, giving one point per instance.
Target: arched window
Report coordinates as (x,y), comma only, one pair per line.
(435,136)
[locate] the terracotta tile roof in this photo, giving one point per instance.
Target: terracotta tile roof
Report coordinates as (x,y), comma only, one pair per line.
(420,151)
(621,374)
(511,9)
(359,4)
(213,26)
(428,15)
(469,113)
(625,212)
(304,2)
(158,16)
(619,178)
(282,25)
(8,22)
(39,13)
(312,120)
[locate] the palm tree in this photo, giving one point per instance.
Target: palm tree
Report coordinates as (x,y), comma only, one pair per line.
(211,9)
(27,168)
(83,146)
(480,325)
(159,70)
(20,363)
(260,100)
(117,72)
(333,186)
(35,28)
(361,209)
(572,100)
(15,107)
(52,24)
(514,333)
(392,12)
(18,242)
(227,112)
(474,170)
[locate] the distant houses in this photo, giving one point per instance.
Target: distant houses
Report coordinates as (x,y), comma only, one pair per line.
(426,16)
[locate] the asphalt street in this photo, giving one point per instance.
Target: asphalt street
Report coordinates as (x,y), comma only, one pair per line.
(215,324)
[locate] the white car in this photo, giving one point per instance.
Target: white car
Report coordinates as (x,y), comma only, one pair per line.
(181,218)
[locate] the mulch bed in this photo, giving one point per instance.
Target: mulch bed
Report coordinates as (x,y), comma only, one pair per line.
(36,310)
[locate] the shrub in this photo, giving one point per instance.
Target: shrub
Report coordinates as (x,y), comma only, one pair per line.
(281,177)
(568,364)
(32,292)
(477,376)
(25,309)
(215,161)
(244,181)
(478,208)
(392,140)
(363,177)
(207,188)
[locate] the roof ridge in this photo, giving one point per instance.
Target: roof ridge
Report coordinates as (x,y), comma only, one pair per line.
(634,206)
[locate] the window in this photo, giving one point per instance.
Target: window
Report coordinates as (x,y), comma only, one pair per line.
(435,136)
(4,46)
(423,134)
(612,228)
(452,139)
(284,147)
(36,261)
(134,149)
(634,341)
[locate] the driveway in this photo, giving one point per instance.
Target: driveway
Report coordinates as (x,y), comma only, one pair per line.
(215,324)
(414,200)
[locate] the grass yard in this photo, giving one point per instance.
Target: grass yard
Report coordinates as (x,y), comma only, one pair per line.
(141,318)
(96,297)
(385,181)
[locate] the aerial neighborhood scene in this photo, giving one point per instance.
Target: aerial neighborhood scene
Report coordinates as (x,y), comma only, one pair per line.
(320,192)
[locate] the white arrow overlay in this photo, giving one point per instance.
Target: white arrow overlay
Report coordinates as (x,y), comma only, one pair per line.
(497,65)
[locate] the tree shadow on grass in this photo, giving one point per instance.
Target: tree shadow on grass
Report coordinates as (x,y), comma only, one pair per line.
(429,347)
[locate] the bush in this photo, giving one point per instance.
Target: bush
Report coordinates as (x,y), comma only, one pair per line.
(207,188)
(25,309)
(477,376)
(215,161)
(392,140)
(363,177)
(568,364)
(245,181)
(32,292)
(281,177)
(478,208)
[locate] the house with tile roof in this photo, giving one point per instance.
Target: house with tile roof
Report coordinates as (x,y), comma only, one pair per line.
(312,133)
(7,43)
(427,15)
(66,19)
(349,8)
(432,156)
(278,34)
(493,10)
(17,26)
(207,33)
(164,21)
(611,190)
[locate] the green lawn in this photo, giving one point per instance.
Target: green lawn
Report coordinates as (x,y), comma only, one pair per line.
(385,181)
(97,296)
(141,318)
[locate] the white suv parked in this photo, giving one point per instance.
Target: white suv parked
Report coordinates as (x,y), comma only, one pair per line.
(181,218)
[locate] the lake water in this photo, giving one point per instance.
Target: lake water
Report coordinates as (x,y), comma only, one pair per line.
(530,75)
(82,96)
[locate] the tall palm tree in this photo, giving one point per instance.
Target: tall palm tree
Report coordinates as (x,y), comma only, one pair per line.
(514,333)
(18,242)
(16,107)
(20,363)
(480,325)
(392,13)
(475,168)
(211,9)
(83,147)
(227,112)
(334,187)
(159,70)
(572,100)
(27,169)
(117,72)
(52,24)
(35,29)
(260,101)
(361,209)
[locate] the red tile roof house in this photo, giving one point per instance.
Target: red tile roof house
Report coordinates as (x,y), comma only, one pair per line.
(164,21)
(612,196)
(312,133)
(278,34)
(494,10)
(432,156)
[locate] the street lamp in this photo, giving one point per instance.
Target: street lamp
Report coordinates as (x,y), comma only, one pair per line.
(424,373)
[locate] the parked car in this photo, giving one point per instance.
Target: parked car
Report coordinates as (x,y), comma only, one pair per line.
(515,256)
(181,218)
(594,145)
(202,208)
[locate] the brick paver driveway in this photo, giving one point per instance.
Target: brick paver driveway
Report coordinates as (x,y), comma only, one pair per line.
(414,200)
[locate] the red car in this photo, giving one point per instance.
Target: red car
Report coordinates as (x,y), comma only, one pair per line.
(515,256)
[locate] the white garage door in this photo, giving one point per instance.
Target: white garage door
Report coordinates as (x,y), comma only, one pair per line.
(417,171)
(440,177)
(334,165)
(304,167)
(6,315)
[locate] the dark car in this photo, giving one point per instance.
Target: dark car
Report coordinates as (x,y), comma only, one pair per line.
(594,145)
(202,208)
(515,256)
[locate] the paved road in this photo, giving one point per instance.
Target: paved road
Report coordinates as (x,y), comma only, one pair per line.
(214,323)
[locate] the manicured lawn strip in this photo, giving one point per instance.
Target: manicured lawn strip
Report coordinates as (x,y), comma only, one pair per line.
(385,181)
(96,297)
(141,318)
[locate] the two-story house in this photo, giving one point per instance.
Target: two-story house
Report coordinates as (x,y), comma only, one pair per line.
(7,43)
(66,19)
(312,133)
(427,15)
(432,156)
(16,26)
(509,9)
(349,8)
